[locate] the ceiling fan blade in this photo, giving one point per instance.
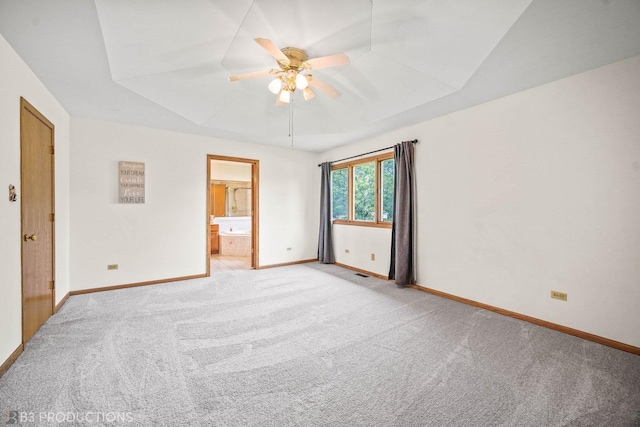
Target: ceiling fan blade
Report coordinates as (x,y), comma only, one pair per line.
(273,50)
(252,75)
(324,87)
(326,61)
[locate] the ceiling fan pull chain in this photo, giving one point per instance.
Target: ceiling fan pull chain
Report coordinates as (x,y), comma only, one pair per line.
(291,121)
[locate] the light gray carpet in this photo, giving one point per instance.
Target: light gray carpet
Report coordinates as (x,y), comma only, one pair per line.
(312,345)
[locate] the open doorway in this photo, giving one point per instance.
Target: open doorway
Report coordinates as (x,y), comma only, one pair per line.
(232,213)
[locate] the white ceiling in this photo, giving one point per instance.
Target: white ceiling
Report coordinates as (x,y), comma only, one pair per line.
(165,64)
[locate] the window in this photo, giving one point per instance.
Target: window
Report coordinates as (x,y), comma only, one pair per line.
(362,191)
(339,193)
(387,181)
(364,187)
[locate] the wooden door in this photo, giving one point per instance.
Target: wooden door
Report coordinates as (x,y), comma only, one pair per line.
(37,210)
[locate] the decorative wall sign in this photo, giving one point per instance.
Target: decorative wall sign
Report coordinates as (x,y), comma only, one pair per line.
(131,181)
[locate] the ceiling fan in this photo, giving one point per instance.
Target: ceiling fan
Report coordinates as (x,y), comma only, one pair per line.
(293,73)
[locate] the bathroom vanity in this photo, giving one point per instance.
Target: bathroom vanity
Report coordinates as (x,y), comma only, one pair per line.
(215,231)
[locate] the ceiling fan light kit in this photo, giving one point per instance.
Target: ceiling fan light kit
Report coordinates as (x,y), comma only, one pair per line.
(293,62)
(307,94)
(301,82)
(285,96)
(275,86)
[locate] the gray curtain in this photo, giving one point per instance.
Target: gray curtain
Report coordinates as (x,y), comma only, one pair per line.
(325,240)
(402,230)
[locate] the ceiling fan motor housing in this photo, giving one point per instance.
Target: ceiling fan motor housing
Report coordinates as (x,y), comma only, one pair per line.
(296,57)
(296,63)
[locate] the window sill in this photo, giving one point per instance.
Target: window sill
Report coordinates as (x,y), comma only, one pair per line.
(362,223)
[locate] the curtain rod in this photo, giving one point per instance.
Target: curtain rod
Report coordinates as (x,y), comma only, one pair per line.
(415,141)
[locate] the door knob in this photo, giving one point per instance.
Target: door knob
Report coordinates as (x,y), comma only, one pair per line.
(28,237)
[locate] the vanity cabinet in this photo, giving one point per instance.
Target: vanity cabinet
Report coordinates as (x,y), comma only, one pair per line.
(215,229)
(218,200)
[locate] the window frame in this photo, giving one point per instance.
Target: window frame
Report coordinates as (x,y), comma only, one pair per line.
(377,160)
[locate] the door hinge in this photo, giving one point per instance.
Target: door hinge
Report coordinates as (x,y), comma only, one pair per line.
(53,150)
(52,284)
(52,217)
(251,250)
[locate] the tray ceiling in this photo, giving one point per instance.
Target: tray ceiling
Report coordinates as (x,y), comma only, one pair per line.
(410,60)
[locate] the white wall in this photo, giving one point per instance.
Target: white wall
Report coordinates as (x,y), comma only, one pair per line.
(166,237)
(361,242)
(530,193)
(230,171)
(17,80)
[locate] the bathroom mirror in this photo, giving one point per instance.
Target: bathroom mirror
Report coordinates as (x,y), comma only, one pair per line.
(230,198)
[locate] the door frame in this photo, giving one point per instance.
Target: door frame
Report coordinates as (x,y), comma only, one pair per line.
(255,209)
(26,107)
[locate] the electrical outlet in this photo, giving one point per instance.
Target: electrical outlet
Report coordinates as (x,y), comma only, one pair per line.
(346,251)
(373,257)
(112,267)
(559,295)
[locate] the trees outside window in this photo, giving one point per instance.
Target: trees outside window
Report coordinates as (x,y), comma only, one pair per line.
(364,198)
(387,178)
(339,194)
